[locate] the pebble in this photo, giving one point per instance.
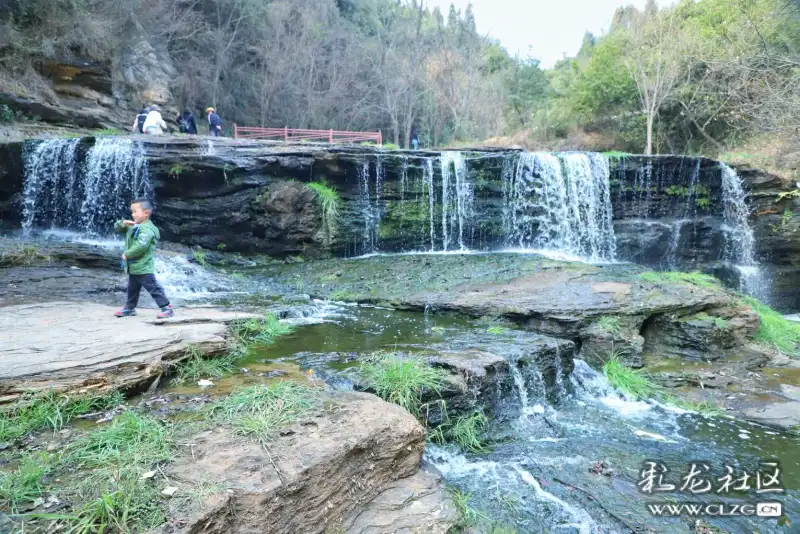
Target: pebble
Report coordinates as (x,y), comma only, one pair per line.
(169,491)
(205,383)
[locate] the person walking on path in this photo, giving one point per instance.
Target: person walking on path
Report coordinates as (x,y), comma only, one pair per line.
(186,123)
(154,124)
(214,122)
(141,239)
(138,122)
(414,138)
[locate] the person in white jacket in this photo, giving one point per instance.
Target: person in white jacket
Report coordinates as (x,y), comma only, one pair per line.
(154,124)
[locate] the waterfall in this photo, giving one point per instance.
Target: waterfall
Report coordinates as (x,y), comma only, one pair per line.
(674,243)
(49,190)
(561,202)
(427,183)
(522,389)
(115,174)
(370,232)
(740,239)
(457,200)
(60,193)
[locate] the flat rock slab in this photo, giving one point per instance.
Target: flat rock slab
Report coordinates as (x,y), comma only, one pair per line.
(64,346)
(353,467)
(778,414)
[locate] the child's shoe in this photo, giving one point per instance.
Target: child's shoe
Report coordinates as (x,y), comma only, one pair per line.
(125,312)
(165,312)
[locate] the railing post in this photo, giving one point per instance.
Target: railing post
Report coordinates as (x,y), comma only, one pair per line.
(380,138)
(285,134)
(330,136)
(235,131)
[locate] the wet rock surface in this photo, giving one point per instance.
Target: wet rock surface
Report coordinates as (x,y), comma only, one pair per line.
(249,196)
(355,467)
(62,346)
(558,299)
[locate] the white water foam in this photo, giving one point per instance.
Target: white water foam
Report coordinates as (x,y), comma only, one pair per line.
(590,384)
(561,203)
(740,238)
(580,518)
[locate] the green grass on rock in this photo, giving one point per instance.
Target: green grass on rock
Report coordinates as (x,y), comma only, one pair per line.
(403,380)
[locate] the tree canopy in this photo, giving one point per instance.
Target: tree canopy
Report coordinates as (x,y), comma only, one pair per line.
(699,76)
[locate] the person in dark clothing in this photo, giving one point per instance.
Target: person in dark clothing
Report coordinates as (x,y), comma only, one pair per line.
(414,138)
(138,122)
(214,122)
(186,123)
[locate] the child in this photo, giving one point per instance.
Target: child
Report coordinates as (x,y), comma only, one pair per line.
(141,238)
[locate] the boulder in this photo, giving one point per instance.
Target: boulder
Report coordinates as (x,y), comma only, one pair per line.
(410,505)
(716,333)
(353,469)
(63,346)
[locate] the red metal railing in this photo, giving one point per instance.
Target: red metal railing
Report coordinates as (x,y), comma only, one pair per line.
(294,134)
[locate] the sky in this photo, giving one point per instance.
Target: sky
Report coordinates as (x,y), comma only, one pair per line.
(542,29)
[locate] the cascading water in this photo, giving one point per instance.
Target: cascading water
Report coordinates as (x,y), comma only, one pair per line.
(370,230)
(49,193)
(740,240)
(561,203)
(458,197)
(115,174)
(60,193)
(427,182)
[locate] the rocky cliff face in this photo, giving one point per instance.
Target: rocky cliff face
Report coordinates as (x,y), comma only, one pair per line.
(79,92)
(669,212)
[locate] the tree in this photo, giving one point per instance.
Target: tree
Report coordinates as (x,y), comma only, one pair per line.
(654,61)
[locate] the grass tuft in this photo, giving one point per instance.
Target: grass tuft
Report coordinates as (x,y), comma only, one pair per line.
(465,431)
(24,484)
(197,367)
(108,131)
(102,470)
(609,324)
(775,329)
(329,203)
(199,256)
(261,331)
(631,382)
(22,256)
(403,380)
(638,386)
(131,441)
(695,278)
(260,412)
(51,411)
(468,516)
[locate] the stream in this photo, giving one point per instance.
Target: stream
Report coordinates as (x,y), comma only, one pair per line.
(538,475)
(562,456)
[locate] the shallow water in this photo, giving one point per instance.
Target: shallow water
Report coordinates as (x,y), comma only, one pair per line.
(537,476)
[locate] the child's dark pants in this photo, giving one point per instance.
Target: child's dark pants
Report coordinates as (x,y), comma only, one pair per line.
(148,281)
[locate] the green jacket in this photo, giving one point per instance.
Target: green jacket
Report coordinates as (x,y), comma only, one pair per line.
(140,243)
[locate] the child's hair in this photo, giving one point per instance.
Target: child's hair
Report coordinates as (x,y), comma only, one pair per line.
(146,204)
